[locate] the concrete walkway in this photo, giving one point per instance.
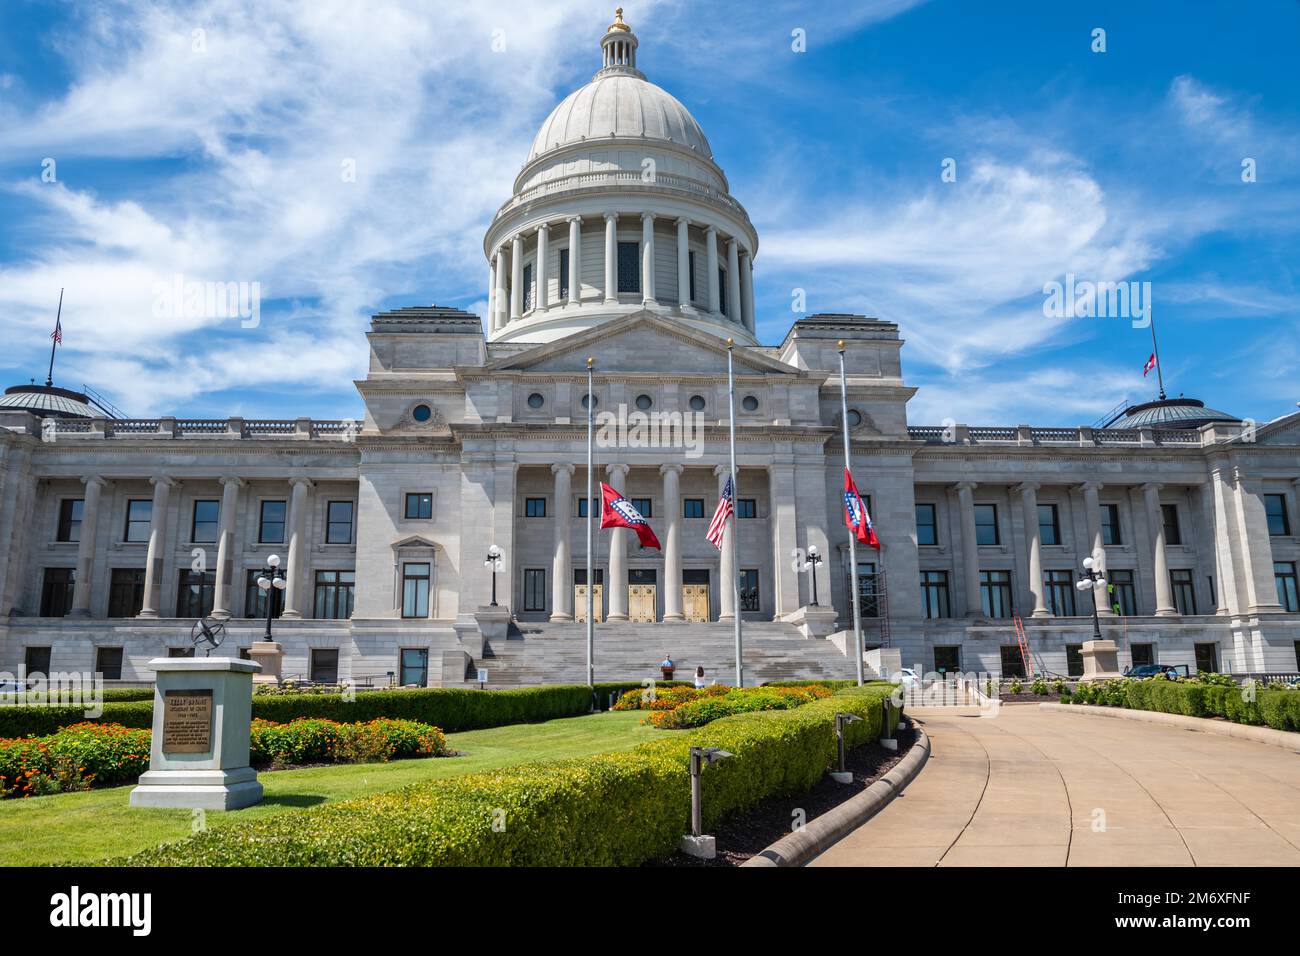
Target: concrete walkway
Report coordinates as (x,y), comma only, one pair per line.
(1034,788)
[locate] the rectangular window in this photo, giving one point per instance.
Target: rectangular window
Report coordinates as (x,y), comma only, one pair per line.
(415,590)
(1123,594)
(56,591)
(70,519)
(125,592)
(564,274)
(255,598)
(1207,658)
(995,593)
(419,505)
(180,651)
(139,517)
(270,528)
(643,506)
(1049,525)
(529,298)
(1073,660)
(749,599)
(986,524)
(414,667)
(1058,588)
(1013,665)
(934,594)
(534,589)
(338,529)
(534,507)
(582,507)
(1143,654)
(1110,525)
(692,507)
(722,290)
(324,665)
(868,590)
(203,526)
(108,662)
(1169,514)
(334,594)
(1180,580)
(927,526)
(1284,576)
(690,265)
(36,660)
(195,592)
(1275,509)
(747,508)
(629,267)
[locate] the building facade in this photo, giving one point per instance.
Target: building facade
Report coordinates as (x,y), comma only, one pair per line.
(621,242)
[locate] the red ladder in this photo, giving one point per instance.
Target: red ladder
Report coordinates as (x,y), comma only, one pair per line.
(1024,645)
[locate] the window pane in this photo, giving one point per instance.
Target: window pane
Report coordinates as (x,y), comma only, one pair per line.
(70,519)
(746,508)
(534,589)
(324,665)
(108,662)
(139,513)
(271,528)
(1275,509)
(643,506)
(528,287)
(1048,529)
(1284,576)
(1110,524)
(535,507)
(629,267)
(926,529)
(986,524)
(1170,515)
(415,590)
(414,668)
(125,592)
(564,273)
(56,591)
(693,508)
(339,530)
(204,526)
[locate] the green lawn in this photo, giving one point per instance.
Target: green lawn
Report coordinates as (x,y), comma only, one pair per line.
(92,826)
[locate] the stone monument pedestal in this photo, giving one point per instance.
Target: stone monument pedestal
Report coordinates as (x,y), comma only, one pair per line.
(202,709)
(269,656)
(1100,660)
(813,621)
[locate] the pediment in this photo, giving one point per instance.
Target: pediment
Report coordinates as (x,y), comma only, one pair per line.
(641,343)
(1283,431)
(414,542)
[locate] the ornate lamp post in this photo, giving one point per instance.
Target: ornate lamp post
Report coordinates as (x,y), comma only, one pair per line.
(494,562)
(270,580)
(1092,579)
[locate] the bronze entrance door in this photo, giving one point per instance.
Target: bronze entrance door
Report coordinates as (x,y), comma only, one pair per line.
(695,602)
(641,602)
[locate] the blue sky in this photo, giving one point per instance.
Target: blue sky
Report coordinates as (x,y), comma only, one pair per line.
(216,155)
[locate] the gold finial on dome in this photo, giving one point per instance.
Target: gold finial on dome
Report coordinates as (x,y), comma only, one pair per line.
(618,23)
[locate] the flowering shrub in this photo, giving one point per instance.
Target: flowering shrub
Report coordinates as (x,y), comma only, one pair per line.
(715,702)
(75,758)
(312,740)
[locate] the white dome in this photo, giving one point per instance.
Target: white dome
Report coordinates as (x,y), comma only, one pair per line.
(622,105)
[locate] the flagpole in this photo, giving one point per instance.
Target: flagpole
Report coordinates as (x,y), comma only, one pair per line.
(853,538)
(1155,350)
(49,379)
(591,588)
(735,528)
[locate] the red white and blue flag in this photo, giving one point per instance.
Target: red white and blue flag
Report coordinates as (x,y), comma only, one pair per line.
(1151,363)
(617,512)
(856,518)
(57,334)
(726,505)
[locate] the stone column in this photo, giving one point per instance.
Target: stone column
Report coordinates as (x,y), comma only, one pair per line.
(673,543)
(1096,546)
(226,547)
(617,577)
(517,278)
(970,552)
(575,260)
(1256,545)
(86,547)
(154,562)
(647,258)
(502,308)
(726,564)
(492,294)
(611,258)
(747,290)
(785,535)
(1034,545)
(562,566)
(1159,562)
(297,548)
(711,268)
(542,300)
(733,281)
(683,264)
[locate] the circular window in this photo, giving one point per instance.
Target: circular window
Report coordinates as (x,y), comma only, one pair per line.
(855,418)
(536,400)
(697,403)
(422,413)
(643,402)
(749,403)
(595,400)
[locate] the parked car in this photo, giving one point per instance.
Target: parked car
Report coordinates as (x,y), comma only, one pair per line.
(1169,671)
(908,678)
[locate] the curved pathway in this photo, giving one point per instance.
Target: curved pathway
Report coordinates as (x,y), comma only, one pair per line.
(1035,788)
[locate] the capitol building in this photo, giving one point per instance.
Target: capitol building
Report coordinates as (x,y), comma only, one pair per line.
(622,241)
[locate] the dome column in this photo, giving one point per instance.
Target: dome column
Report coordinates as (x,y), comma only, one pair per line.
(711,268)
(611,258)
(575,260)
(492,293)
(517,279)
(683,264)
(499,295)
(648,259)
(733,280)
(541,301)
(747,289)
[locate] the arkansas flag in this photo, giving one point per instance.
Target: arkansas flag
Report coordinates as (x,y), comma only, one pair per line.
(1151,363)
(617,512)
(855,514)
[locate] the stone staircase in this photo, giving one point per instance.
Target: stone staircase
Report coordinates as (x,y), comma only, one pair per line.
(544,653)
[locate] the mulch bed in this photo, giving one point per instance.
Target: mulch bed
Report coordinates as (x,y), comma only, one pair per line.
(750,833)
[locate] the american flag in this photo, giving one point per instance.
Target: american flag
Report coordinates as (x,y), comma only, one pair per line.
(57,334)
(726,506)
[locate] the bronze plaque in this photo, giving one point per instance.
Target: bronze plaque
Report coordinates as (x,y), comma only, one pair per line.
(187,722)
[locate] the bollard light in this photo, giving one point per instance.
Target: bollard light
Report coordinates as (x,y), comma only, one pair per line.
(841,720)
(696,843)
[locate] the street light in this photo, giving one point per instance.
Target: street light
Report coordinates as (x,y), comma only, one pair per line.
(807,562)
(271,578)
(494,562)
(1092,579)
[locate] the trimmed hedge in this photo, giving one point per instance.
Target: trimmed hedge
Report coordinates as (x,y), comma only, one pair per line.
(36,721)
(617,809)
(1275,707)
(312,740)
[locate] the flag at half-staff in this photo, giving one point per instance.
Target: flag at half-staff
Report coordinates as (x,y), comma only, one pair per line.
(856,517)
(617,512)
(726,505)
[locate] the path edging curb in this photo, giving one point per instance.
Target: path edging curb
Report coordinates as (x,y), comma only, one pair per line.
(821,833)
(1225,728)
